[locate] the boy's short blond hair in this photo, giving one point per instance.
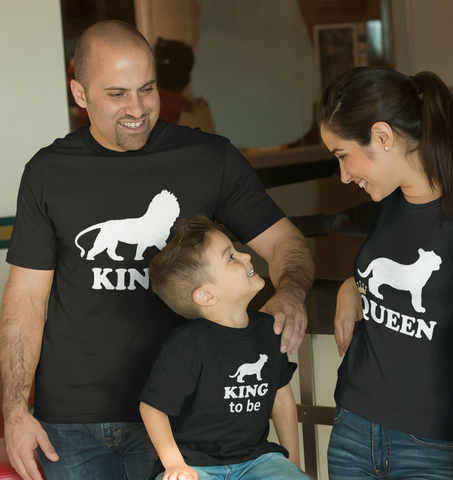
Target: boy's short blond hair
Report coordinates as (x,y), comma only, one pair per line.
(181,267)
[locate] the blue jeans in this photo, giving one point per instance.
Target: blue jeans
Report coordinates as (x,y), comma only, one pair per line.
(99,451)
(359,449)
(270,466)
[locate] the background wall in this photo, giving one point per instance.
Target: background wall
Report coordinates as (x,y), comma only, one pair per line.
(423,37)
(33,86)
(432,37)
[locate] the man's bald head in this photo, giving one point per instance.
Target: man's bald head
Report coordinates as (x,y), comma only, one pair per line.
(115,34)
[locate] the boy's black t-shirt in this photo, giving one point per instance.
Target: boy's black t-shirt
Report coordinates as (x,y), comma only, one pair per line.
(217,385)
(398,369)
(97,217)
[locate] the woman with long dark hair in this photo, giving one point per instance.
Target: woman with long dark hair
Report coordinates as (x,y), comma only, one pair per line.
(393,136)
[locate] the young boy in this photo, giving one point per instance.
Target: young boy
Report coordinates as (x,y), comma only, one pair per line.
(220,377)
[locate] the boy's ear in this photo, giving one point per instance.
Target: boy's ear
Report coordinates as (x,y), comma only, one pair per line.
(203,297)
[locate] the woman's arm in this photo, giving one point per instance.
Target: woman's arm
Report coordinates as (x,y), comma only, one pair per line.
(347,312)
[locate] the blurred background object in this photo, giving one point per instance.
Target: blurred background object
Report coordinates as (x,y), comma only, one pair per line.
(256,67)
(174,63)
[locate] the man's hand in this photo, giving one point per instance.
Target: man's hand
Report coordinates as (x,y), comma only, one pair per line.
(180,472)
(348,311)
(21,330)
(23,434)
(290,317)
(291,271)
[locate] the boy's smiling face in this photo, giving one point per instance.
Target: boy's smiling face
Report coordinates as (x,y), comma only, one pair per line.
(232,277)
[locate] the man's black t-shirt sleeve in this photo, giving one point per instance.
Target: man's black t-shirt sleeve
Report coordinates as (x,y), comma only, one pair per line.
(244,205)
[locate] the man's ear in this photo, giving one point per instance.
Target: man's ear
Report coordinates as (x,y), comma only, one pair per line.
(383,134)
(79,93)
(203,297)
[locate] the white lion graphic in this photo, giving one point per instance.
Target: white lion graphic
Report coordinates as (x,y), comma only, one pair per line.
(411,278)
(250,369)
(152,229)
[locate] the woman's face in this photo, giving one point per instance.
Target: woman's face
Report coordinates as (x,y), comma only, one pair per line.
(371,169)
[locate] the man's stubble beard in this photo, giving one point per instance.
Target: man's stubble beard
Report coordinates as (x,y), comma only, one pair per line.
(133,141)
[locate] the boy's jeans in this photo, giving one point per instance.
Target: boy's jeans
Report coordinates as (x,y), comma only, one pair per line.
(362,450)
(99,451)
(271,466)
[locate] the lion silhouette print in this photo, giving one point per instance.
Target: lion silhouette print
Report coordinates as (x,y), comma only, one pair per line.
(152,229)
(411,278)
(250,369)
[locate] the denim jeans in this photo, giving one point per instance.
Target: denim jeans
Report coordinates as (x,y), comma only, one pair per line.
(98,451)
(359,449)
(270,466)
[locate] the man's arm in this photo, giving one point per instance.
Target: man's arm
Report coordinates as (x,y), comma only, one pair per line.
(291,270)
(347,312)
(159,431)
(21,330)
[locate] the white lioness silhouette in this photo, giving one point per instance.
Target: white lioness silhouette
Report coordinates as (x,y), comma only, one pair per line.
(250,369)
(152,229)
(411,278)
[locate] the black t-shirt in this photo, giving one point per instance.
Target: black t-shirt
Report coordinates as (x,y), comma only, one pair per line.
(97,217)
(398,369)
(217,385)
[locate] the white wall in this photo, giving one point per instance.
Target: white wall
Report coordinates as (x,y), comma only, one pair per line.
(400,33)
(432,37)
(33,86)
(423,37)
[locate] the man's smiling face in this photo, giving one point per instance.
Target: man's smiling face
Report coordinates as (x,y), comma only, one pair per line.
(122,100)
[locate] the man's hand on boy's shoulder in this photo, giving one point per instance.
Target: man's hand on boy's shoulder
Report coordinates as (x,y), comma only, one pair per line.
(290,317)
(291,270)
(180,472)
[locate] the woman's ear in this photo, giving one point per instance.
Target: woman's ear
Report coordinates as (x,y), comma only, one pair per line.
(382,135)
(203,297)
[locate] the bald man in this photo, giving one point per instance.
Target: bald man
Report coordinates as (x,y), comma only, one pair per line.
(93,209)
